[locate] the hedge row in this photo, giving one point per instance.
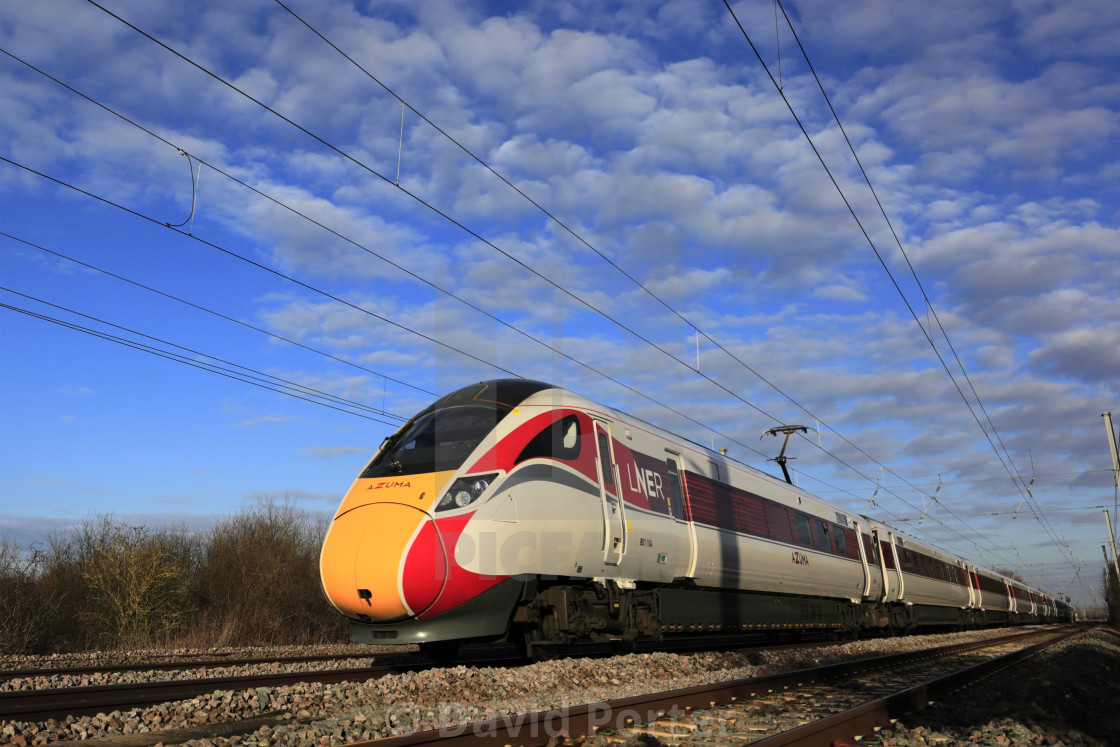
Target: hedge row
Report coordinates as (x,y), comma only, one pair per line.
(252,579)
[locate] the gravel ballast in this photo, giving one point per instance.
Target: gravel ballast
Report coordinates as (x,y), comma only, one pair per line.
(318,713)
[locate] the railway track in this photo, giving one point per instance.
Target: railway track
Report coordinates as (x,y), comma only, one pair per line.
(694,707)
(171,665)
(38,705)
(721,710)
(60,702)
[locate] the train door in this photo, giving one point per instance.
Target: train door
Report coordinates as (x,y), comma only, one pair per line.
(863,561)
(678,510)
(888,565)
(898,568)
(973,594)
(614,518)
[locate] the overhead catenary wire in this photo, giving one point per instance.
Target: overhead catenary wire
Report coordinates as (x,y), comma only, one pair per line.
(611,262)
(170,355)
(1003,479)
(886,268)
(150,219)
(1012,513)
(266,268)
(480,238)
(913,272)
(564,290)
(60,255)
(590,306)
(578,237)
(245,370)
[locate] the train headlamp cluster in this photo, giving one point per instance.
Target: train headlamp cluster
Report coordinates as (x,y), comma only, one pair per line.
(465,491)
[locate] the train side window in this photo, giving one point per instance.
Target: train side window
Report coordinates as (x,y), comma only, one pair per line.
(840,545)
(558,441)
(888,555)
(820,534)
(804,535)
(907,562)
(605,465)
(676,498)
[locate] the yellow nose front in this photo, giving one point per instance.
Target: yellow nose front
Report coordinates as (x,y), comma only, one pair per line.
(362,559)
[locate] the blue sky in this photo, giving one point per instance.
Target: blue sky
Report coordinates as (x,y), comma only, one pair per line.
(656,138)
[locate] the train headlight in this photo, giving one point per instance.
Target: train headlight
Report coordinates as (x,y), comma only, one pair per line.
(465,491)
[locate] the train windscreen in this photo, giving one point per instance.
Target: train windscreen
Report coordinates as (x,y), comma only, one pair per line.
(437,441)
(441,437)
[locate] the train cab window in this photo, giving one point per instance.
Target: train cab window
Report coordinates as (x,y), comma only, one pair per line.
(804,534)
(676,499)
(605,465)
(558,441)
(434,441)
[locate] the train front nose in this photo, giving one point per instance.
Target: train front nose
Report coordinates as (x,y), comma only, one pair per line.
(383,562)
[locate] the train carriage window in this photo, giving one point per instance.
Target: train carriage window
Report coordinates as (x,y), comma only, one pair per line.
(560,440)
(839,544)
(907,561)
(676,499)
(779,522)
(804,534)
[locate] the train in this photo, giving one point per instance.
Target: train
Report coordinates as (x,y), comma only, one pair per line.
(516,511)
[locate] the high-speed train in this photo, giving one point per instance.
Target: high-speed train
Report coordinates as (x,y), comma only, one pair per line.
(513,510)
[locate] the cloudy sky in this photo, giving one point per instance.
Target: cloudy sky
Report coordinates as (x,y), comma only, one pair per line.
(355,223)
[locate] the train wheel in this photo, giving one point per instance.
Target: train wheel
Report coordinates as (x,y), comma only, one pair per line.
(441,653)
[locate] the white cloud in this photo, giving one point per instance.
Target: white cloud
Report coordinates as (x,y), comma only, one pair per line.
(652,132)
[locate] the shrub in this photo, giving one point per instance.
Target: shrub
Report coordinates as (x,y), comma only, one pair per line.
(259,579)
(253,579)
(135,586)
(27,613)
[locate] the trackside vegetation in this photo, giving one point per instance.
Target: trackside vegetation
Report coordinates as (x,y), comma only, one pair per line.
(251,579)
